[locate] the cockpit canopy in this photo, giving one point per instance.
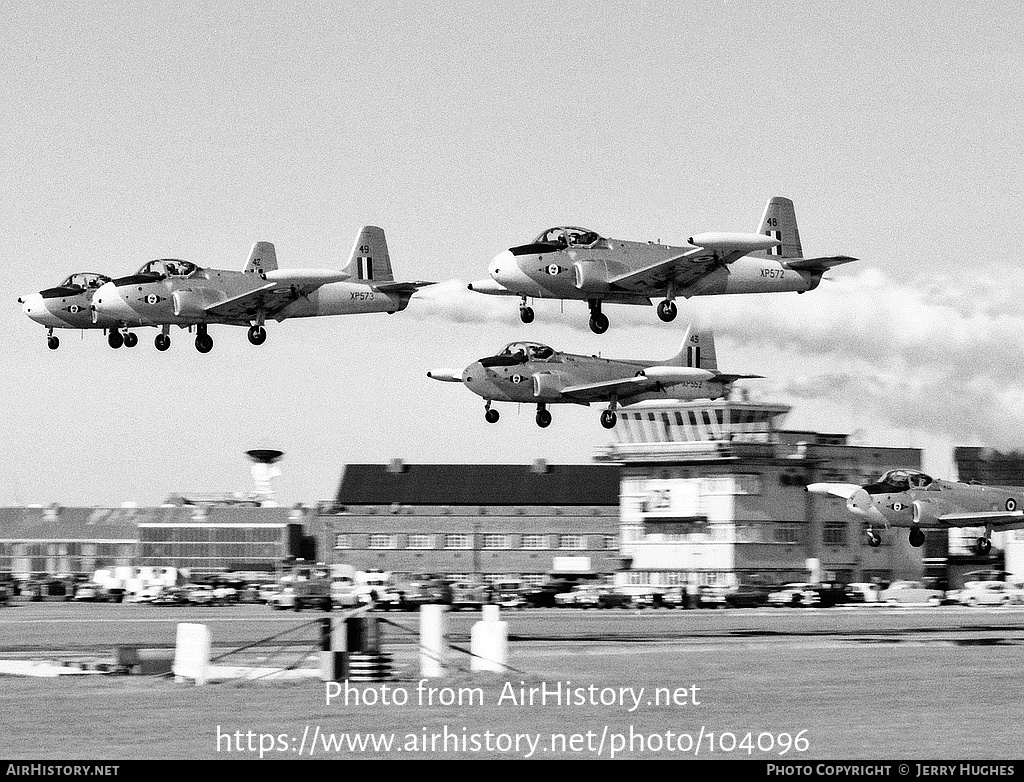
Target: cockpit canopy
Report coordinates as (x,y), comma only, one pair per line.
(84,280)
(168,267)
(534,351)
(568,236)
(518,353)
(896,481)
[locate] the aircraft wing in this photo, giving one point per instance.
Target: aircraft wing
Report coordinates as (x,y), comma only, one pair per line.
(599,392)
(281,288)
(1000,520)
(682,270)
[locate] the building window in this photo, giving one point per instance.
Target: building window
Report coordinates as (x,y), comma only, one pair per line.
(533,579)
(610,542)
(534,542)
(788,533)
(833,534)
(421,541)
(379,541)
(495,542)
(342,541)
(456,541)
(571,542)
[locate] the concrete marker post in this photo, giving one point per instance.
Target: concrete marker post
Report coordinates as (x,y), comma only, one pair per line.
(489,642)
(432,640)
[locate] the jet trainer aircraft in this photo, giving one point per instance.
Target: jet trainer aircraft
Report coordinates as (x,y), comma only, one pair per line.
(577,263)
(171,292)
(68,306)
(535,373)
(908,498)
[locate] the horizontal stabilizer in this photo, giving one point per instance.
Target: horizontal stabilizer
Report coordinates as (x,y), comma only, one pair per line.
(403,287)
(819,264)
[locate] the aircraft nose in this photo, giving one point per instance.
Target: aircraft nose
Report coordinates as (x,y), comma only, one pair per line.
(502,263)
(32,304)
(108,302)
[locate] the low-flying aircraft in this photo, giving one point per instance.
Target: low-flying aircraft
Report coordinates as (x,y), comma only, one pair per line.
(69,306)
(909,498)
(576,263)
(535,373)
(170,292)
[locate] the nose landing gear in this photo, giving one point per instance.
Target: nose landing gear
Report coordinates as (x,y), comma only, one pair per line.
(543,416)
(598,320)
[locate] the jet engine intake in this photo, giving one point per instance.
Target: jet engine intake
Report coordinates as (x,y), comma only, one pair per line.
(191,304)
(548,385)
(590,276)
(923,514)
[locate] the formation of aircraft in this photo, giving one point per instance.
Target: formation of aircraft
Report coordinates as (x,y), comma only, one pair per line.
(534,373)
(572,263)
(69,306)
(169,292)
(911,499)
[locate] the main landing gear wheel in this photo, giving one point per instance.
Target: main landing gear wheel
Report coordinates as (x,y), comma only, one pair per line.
(257,335)
(115,340)
(52,343)
(543,418)
(599,323)
(162,342)
(608,419)
(526,314)
(667,310)
(204,343)
(984,545)
(873,540)
(131,340)
(491,416)
(916,538)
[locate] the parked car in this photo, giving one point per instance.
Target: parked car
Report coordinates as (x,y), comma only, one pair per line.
(200,595)
(990,593)
(344,593)
(144,595)
(830,594)
(676,597)
(652,599)
(710,597)
(748,596)
(910,592)
(468,594)
(798,595)
(862,592)
(609,598)
(170,596)
(508,593)
(580,596)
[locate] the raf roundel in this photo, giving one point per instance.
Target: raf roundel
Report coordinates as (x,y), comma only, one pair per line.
(554,269)
(897,506)
(151,298)
(1011,504)
(517,378)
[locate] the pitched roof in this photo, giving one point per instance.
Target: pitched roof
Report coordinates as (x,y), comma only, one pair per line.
(479,484)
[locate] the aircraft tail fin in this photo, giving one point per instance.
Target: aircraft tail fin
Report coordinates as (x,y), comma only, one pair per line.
(262,258)
(369,260)
(697,350)
(779,222)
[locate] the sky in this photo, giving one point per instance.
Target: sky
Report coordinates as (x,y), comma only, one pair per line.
(134,131)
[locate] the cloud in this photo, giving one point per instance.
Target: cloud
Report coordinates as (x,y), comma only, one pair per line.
(942,353)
